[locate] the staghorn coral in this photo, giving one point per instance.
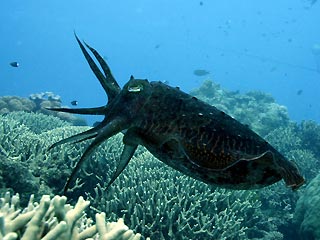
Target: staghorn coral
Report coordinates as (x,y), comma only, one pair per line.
(257,109)
(15,138)
(37,122)
(10,168)
(54,219)
(307,212)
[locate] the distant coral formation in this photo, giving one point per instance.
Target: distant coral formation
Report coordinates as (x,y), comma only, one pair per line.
(256,109)
(307,213)
(37,103)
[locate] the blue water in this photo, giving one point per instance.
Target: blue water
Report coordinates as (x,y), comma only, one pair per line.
(246,45)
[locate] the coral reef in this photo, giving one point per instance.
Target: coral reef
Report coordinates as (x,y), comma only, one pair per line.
(45,99)
(309,132)
(38,103)
(37,122)
(10,168)
(146,195)
(257,109)
(307,212)
(22,146)
(53,219)
(13,103)
(289,141)
(152,198)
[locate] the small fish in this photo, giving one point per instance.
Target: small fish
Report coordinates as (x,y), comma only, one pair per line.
(14,64)
(299,92)
(200,72)
(74,103)
(201,3)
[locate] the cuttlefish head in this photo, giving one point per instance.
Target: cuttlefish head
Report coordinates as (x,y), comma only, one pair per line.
(119,113)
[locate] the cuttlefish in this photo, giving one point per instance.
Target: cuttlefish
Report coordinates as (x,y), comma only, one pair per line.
(180,130)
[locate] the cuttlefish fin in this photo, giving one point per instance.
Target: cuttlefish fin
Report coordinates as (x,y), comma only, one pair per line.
(290,174)
(85,111)
(125,157)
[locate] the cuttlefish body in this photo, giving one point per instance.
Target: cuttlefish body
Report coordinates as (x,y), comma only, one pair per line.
(185,133)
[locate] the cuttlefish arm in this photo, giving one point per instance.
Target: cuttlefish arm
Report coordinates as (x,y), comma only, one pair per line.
(109,130)
(125,157)
(91,133)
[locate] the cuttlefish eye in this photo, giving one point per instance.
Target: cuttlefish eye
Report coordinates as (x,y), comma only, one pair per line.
(135,88)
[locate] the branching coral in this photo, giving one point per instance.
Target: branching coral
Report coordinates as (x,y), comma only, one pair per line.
(53,219)
(21,147)
(37,122)
(15,138)
(10,168)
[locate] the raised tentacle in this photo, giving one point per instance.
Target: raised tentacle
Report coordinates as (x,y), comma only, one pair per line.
(106,132)
(85,111)
(108,87)
(104,67)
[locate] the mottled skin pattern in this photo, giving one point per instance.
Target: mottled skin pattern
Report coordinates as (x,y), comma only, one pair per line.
(183,132)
